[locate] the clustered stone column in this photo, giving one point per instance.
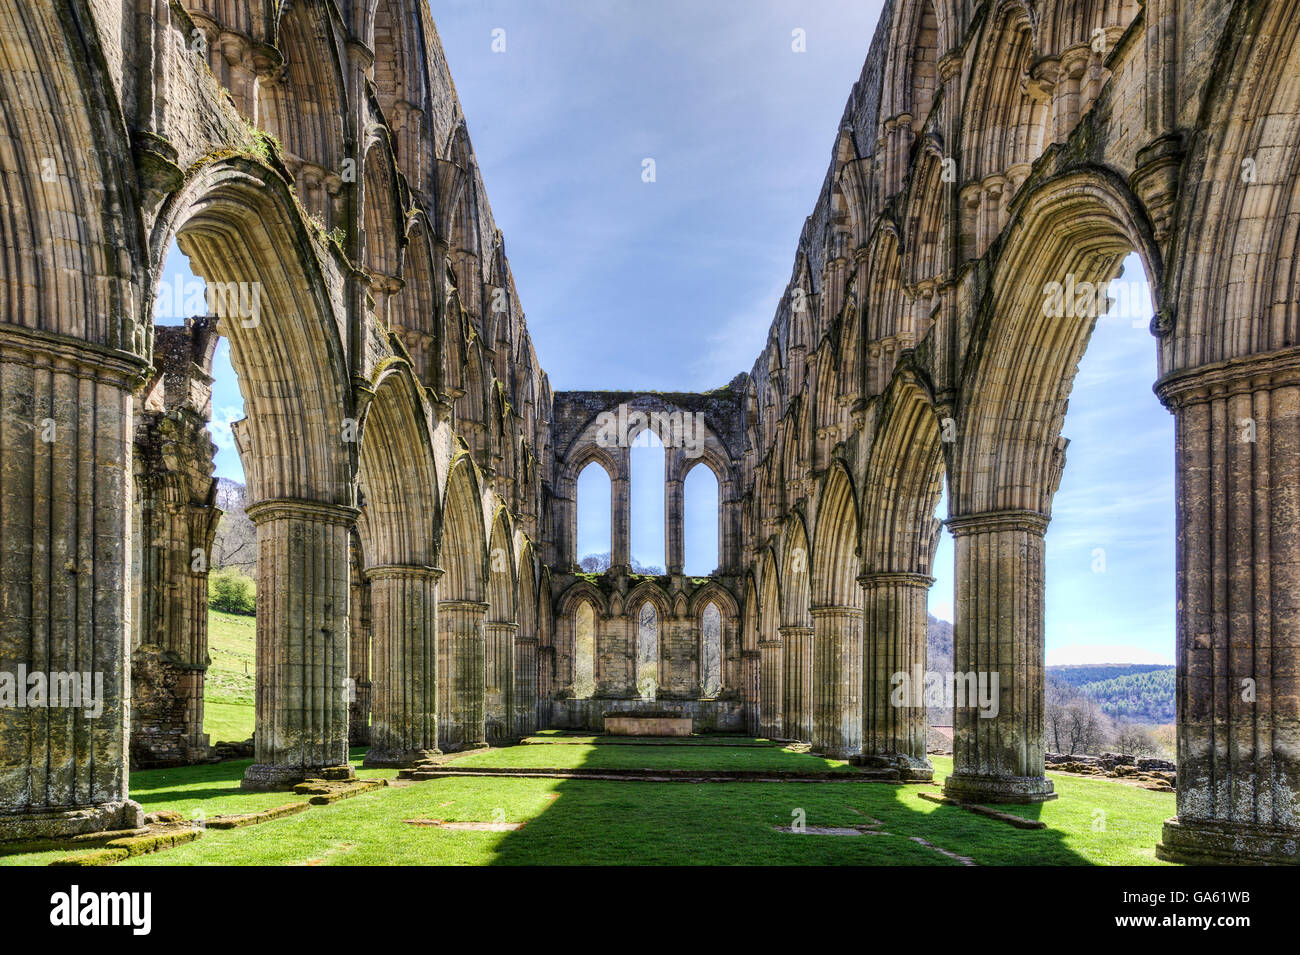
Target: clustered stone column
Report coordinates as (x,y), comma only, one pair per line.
(404,702)
(837,681)
(463,688)
(526,683)
(797,643)
(1237,440)
(998,754)
(751,662)
(303,597)
(170,659)
(894,654)
(66,416)
(771,691)
(359,656)
(175,523)
(499,680)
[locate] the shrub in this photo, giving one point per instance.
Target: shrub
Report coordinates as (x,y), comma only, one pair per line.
(232,592)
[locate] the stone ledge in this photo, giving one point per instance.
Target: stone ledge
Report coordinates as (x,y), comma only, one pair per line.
(1213,842)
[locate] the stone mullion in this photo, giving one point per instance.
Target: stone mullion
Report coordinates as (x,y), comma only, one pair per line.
(499,676)
(895,637)
(837,681)
(462,689)
(771,695)
(302,640)
(65,545)
(404,700)
(1238,630)
(999,629)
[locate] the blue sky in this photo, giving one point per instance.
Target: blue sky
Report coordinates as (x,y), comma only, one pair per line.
(672,284)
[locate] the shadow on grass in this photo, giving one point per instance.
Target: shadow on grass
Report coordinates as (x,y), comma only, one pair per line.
(737,823)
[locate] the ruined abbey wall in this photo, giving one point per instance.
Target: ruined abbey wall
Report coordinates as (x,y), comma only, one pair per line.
(412,478)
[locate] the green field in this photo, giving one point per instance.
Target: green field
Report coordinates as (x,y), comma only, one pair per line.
(228,692)
(577,821)
(583,821)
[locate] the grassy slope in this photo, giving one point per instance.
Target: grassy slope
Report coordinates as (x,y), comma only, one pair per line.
(228,694)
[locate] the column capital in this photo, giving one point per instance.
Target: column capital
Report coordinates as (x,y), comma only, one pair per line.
(284,508)
(63,354)
(795,631)
(503,625)
(1009,520)
(895,578)
(1224,379)
(834,611)
(473,605)
(403,572)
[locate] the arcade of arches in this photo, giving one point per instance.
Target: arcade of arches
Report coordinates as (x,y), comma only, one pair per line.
(413,476)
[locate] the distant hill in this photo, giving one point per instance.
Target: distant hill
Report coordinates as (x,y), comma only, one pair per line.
(1135,693)
(1100,672)
(1128,692)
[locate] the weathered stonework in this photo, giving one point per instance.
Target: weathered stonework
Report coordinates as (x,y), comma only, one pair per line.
(312,158)
(175,521)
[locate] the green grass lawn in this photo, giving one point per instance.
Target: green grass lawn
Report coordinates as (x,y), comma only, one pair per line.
(597,756)
(228,693)
(577,821)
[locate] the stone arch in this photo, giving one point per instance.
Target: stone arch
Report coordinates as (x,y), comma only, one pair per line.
(750,654)
(1080,225)
(904,481)
(566,491)
(501,629)
(397,474)
(527,641)
(1003,125)
(797,630)
(1236,278)
(577,651)
(53,185)
(885,305)
(399,483)
(458,209)
(771,693)
(835,544)
(242,231)
(383,227)
(397,42)
(417,314)
(836,618)
(647,660)
(237,223)
(303,104)
(928,254)
(462,610)
(1008,455)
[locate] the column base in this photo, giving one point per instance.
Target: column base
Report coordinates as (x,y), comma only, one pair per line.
(910,768)
(972,787)
(65,823)
(397,759)
(1210,842)
(264,777)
